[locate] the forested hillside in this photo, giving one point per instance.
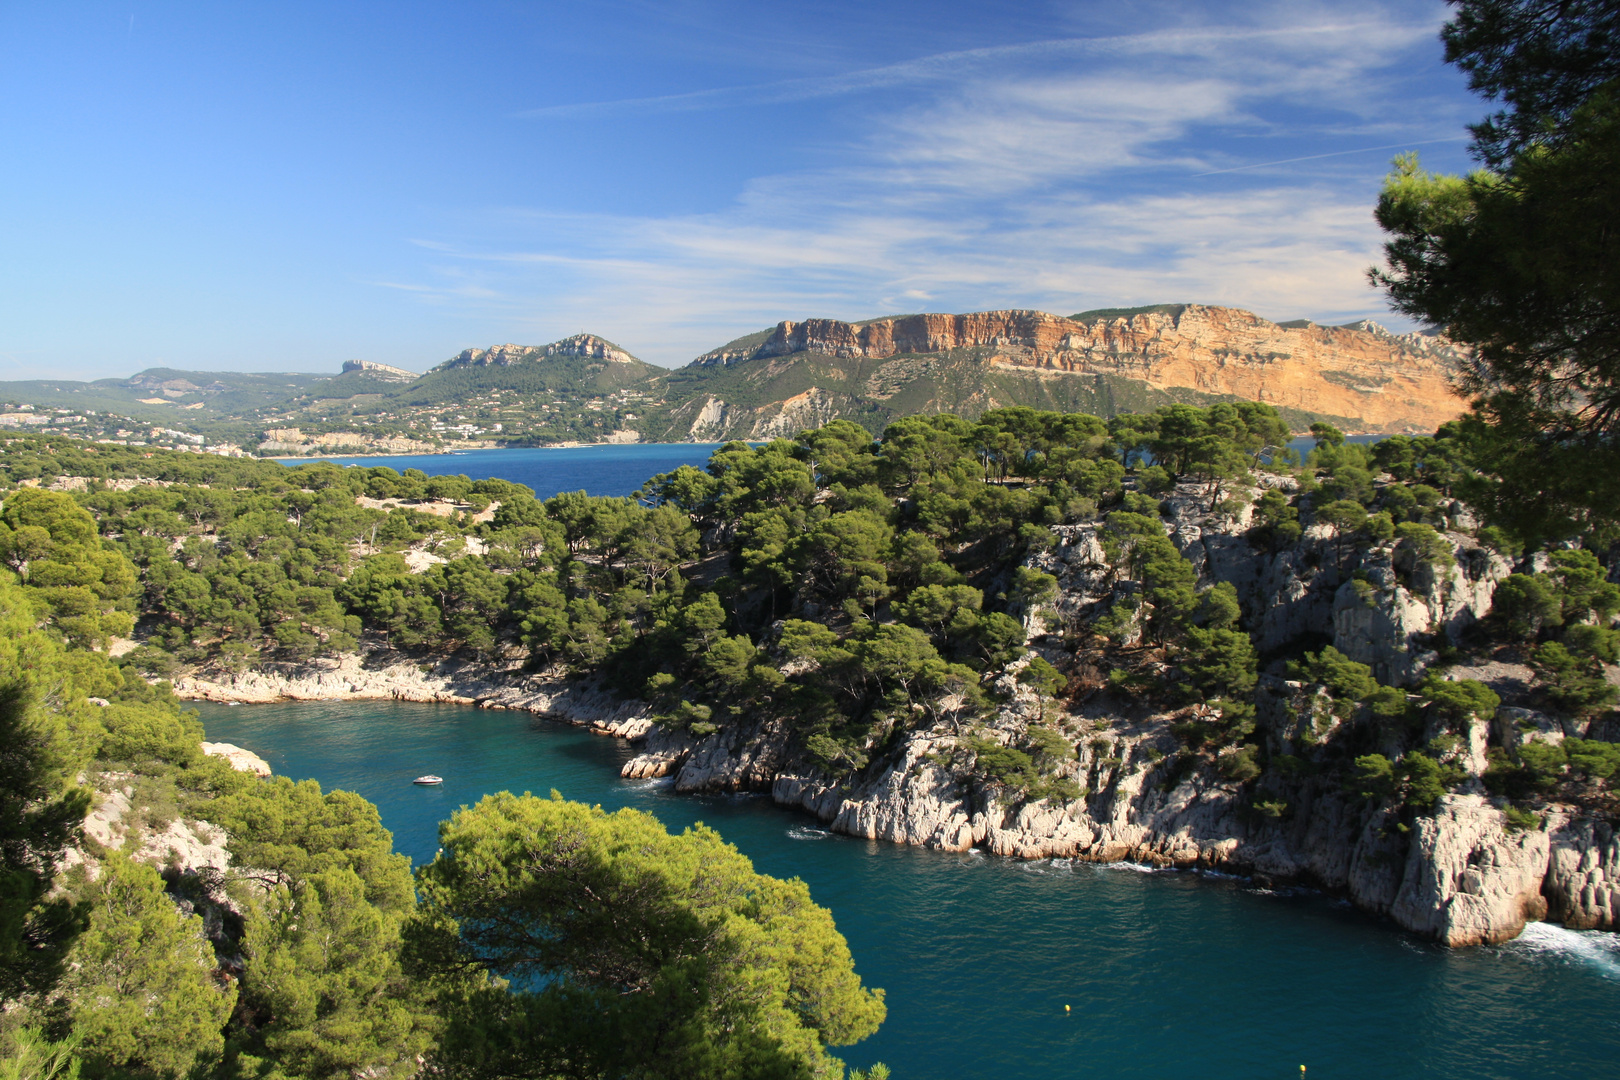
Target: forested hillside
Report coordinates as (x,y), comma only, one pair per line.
(202,922)
(839,583)
(1018,610)
(845,586)
(1038,587)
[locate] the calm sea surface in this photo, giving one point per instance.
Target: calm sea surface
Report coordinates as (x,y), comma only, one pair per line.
(596,470)
(1169,974)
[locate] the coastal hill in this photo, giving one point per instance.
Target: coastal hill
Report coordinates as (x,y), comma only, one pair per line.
(1027,641)
(581,366)
(588,346)
(799,374)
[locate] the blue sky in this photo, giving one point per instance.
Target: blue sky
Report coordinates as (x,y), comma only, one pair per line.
(232,186)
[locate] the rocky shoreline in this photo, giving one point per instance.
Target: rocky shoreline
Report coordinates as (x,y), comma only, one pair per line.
(380,675)
(1462,877)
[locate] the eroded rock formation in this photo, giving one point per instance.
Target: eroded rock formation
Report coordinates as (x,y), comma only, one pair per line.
(1462,875)
(1389,382)
(241,760)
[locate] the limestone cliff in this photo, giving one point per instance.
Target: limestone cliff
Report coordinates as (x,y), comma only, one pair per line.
(813,408)
(1463,878)
(1462,875)
(1362,373)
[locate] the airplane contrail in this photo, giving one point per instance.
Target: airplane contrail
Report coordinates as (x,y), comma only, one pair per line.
(1336,153)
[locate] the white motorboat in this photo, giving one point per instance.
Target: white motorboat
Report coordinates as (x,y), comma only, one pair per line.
(429,780)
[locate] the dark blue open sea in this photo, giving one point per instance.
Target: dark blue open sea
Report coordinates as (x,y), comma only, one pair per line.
(1169,975)
(604,469)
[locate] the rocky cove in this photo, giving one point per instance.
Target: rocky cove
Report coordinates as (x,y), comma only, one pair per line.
(1462,875)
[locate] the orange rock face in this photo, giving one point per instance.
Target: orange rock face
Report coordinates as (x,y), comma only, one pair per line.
(1386,381)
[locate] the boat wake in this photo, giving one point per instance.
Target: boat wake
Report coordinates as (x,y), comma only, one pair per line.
(1595,949)
(806,832)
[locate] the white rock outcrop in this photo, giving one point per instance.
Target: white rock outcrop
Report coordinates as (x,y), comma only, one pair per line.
(241,760)
(1469,881)
(1582,885)
(179,844)
(1379,619)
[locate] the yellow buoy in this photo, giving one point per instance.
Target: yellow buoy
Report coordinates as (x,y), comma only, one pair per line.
(1065,1008)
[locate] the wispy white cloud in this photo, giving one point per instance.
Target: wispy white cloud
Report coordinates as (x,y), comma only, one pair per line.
(949,67)
(1284,252)
(1061,175)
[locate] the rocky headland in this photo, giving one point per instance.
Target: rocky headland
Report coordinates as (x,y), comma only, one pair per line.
(1462,875)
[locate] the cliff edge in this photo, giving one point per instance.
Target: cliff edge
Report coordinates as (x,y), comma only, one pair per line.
(1382,381)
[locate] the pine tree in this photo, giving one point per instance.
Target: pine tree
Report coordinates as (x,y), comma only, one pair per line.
(143,991)
(629,951)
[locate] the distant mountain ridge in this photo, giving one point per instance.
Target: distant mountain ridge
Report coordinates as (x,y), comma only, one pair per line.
(781,380)
(582,367)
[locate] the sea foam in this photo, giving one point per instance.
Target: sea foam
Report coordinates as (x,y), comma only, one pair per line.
(1596,949)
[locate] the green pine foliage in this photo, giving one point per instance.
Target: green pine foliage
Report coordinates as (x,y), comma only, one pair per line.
(324,983)
(1515,261)
(304,975)
(143,991)
(49,541)
(845,590)
(41,808)
(29,1054)
(562,939)
(850,588)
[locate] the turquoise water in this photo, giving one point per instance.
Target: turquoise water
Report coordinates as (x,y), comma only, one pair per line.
(609,469)
(1169,975)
